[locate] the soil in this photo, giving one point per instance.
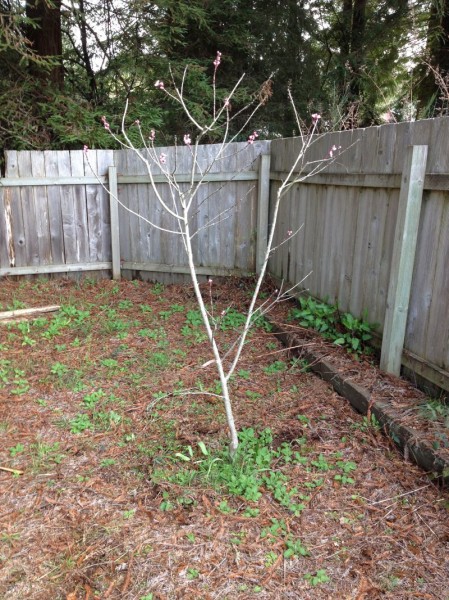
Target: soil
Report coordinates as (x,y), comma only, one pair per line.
(93,513)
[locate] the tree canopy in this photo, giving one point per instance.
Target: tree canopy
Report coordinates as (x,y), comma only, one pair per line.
(357,62)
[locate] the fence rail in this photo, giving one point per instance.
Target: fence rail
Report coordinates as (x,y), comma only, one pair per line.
(56,217)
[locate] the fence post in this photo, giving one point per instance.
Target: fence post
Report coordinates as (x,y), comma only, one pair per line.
(263,201)
(405,238)
(115,230)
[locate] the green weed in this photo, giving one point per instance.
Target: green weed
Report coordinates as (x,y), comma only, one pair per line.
(343,329)
(81,423)
(317,578)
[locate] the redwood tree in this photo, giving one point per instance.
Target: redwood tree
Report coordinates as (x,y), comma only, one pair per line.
(45,37)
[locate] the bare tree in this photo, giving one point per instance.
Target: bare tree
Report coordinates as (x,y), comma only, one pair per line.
(182,199)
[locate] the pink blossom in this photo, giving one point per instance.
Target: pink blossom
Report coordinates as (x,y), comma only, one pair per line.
(85,149)
(217,60)
(159,84)
(289,233)
(334,149)
(252,137)
(105,123)
(187,140)
(227,104)
(152,135)
(210,281)
(163,158)
(137,122)
(315,118)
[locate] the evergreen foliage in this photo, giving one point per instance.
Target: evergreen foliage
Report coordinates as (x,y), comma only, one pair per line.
(354,61)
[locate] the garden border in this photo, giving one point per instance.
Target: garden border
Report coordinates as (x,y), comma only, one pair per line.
(405,438)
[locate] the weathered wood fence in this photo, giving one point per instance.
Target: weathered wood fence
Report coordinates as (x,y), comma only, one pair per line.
(56,217)
(356,246)
(349,249)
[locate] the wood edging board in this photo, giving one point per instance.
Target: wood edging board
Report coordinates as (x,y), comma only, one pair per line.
(406,438)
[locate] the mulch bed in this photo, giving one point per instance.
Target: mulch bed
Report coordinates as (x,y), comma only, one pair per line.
(85,519)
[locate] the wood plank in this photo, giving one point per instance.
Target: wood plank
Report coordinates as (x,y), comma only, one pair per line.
(80,207)
(184,269)
(47,269)
(26,312)
(436,349)
(67,210)
(115,226)
(101,231)
(361,219)
(406,234)
(42,223)
(7,257)
(57,251)
(436,181)
(263,200)
(348,207)
(31,245)
(385,260)
(49,181)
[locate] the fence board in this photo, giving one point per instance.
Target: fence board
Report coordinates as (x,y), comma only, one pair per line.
(57,251)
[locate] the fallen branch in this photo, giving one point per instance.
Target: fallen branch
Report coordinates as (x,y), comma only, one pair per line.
(15,471)
(26,312)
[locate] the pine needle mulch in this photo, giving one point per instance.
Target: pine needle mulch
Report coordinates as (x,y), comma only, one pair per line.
(87,513)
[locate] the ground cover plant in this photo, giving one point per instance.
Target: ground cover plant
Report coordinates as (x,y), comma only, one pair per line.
(112,486)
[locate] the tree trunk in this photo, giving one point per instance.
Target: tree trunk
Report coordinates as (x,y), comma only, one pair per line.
(46,39)
(357,46)
(430,98)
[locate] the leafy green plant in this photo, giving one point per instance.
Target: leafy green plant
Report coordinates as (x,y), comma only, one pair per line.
(192,573)
(277,366)
(59,369)
(80,423)
(17,449)
(90,400)
(315,314)
(317,578)
(232,319)
(194,318)
(435,410)
(294,548)
(356,334)
(343,329)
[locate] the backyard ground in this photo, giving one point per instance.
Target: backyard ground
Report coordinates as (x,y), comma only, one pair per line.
(115,482)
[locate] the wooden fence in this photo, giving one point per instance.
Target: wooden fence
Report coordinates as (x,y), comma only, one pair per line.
(352,248)
(56,217)
(346,249)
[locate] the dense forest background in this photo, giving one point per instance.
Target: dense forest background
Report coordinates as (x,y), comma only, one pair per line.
(358,62)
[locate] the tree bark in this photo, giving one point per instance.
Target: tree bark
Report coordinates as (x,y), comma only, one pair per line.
(46,39)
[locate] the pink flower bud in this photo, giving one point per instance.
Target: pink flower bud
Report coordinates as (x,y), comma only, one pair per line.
(159,84)
(163,158)
(315,118)
(334,149)
(289,233)
(85,149)
(210,281)
(137,122)
(187,140)
(152,135)
(252,137)
(217,60)
(105,123)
